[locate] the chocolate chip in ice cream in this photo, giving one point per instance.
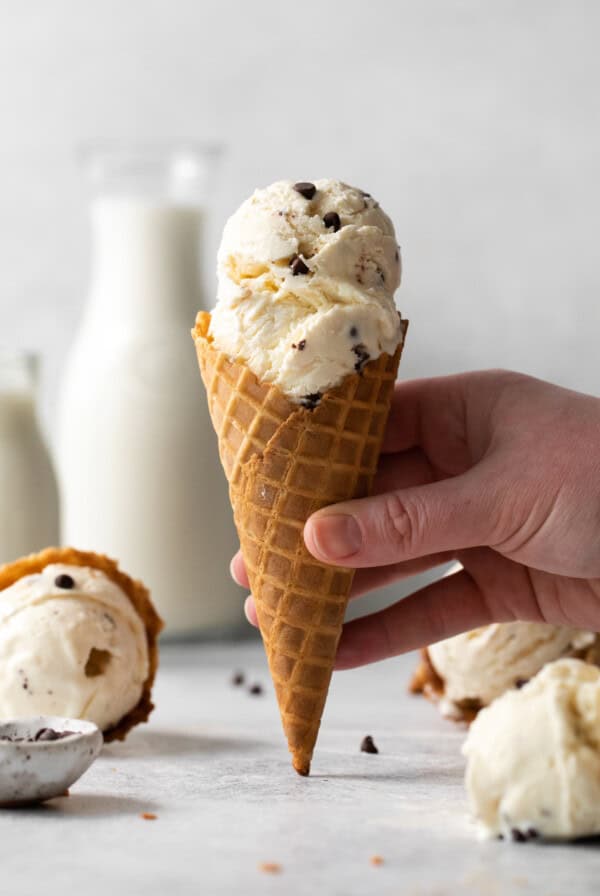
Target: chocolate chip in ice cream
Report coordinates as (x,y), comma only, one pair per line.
(362,356)
(64,581)
(367,745)
(298,266)
(311,401)
(353,332)
(332,219)
(521,682)
(519,836)
(305,188)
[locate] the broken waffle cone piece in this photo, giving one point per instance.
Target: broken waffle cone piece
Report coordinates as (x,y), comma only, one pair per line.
(137,594)
(283,462)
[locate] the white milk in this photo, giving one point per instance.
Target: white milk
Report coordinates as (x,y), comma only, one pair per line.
(28,493)
(140,475)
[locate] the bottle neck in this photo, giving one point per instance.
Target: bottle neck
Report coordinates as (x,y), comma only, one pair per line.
(145,262)
(17,412)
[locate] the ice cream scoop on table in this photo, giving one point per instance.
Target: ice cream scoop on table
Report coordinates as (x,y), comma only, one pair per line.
(533,757)
(464,673)
(78,638)
(299,359)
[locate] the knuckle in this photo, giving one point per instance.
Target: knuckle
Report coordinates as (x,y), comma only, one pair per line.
(400,523)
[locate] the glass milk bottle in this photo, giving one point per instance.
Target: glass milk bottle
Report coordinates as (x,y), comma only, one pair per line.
(139,470)
(28,492)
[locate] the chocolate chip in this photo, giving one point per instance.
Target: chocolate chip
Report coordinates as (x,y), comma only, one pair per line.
(256,690)
(365,194)
(64,581)
(353,332)
(362,356)
(305,188)
(523,836)
(311,401)
(520,682)
(302,345)
(332,219)
(397,255)
(51,734)
(298,266)
(367,745)
(238,679)
(42,735)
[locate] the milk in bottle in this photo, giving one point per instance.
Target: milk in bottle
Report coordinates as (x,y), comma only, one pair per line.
(138,462)
(28,492)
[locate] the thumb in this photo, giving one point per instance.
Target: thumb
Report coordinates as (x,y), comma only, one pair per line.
(449,515)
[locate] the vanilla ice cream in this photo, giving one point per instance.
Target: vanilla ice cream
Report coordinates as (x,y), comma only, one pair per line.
(534,757)
(307,274)
(478,666)
(71,644)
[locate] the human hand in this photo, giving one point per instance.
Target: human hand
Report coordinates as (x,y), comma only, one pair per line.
(497,470)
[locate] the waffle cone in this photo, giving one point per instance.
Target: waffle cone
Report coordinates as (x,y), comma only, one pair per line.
(283,462)
(136,592)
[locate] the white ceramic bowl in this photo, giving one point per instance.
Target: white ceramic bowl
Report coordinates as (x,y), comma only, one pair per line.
(34,771)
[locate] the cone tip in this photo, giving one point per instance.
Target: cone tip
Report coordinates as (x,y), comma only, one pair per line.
(303,768)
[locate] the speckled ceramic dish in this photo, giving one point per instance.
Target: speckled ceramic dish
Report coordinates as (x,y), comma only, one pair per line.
(41,757)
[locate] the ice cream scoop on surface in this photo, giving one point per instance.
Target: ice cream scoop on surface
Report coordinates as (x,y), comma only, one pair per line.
(77,639)
(307,274)
(478,666)
(466,672)
(533,757)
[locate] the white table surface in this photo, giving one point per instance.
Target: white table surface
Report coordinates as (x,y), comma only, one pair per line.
(213,766)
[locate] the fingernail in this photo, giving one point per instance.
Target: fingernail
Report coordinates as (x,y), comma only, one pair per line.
(336,536)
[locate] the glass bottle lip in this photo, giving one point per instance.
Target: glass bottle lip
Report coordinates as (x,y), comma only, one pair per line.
(174,170)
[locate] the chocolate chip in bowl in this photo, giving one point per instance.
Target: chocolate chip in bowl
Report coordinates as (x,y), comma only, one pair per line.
(41,757)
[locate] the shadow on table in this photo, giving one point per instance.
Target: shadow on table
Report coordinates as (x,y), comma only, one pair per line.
(178,743)
(89,805)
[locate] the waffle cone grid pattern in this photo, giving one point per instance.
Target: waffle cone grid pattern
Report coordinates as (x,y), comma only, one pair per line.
(283,463)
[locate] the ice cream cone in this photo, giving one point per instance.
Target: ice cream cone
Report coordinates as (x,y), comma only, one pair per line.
(136,592)
(283,462)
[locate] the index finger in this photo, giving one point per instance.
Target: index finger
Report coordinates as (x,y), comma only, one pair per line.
(422,410)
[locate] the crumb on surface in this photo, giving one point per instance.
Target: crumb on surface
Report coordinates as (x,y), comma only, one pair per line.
(270,867)
(376,860)
(148,816)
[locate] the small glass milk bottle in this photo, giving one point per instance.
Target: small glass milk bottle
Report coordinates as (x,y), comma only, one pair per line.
(29,511)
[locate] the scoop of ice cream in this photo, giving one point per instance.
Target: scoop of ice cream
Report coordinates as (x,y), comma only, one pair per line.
(534,756)
(307,274)
(481,664)
(71,644)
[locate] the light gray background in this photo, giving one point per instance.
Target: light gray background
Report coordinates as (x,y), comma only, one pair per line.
(477,126)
